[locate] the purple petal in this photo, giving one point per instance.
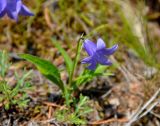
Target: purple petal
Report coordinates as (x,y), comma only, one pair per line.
(98,54)
(13,8)
(2,13)
(90,47)
(100,44)
(109,51)
(3,4)
(12,15)
(18,5)
(86,60)
(92,66)
(104,61)
(14,5)
(25,11)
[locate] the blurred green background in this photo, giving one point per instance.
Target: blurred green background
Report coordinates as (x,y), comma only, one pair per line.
(133,24)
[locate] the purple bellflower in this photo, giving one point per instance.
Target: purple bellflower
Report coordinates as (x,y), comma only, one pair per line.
(98,54)
(13,8)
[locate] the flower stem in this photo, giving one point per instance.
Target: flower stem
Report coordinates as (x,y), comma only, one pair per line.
(75,60)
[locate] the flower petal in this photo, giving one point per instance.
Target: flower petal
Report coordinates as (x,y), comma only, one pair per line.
(92,66)
(12,15)
(100,44)
(13,8)
(90,47)
(104,61)
(3,13)
(25,11)
(18,5)
(109,51)
(3,4)
(14,5)
(86,60)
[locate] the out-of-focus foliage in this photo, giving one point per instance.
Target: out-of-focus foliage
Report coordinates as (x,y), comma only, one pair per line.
(68,20)
(4,63)
(67,59)
(78,116)
(134,31)
(13,96)
(122,21)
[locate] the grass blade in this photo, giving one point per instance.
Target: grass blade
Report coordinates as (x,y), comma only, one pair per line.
(67,59)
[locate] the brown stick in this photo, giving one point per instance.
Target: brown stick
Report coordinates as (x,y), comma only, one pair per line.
(123,120)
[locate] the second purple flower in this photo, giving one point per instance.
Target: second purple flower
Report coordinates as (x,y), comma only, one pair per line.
(13,8)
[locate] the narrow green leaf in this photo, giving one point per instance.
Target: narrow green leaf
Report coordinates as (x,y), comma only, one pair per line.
(88,75)
(67,59)
(46,68)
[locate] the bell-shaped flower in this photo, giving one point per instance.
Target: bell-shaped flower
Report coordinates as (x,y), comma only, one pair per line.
(98,53)
(13,8)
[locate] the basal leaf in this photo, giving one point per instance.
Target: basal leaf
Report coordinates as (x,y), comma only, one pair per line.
(46,68)
(68,61)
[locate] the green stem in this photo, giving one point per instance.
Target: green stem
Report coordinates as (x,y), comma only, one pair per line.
(75,60)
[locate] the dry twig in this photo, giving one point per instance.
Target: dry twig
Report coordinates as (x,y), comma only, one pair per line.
(139,114)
